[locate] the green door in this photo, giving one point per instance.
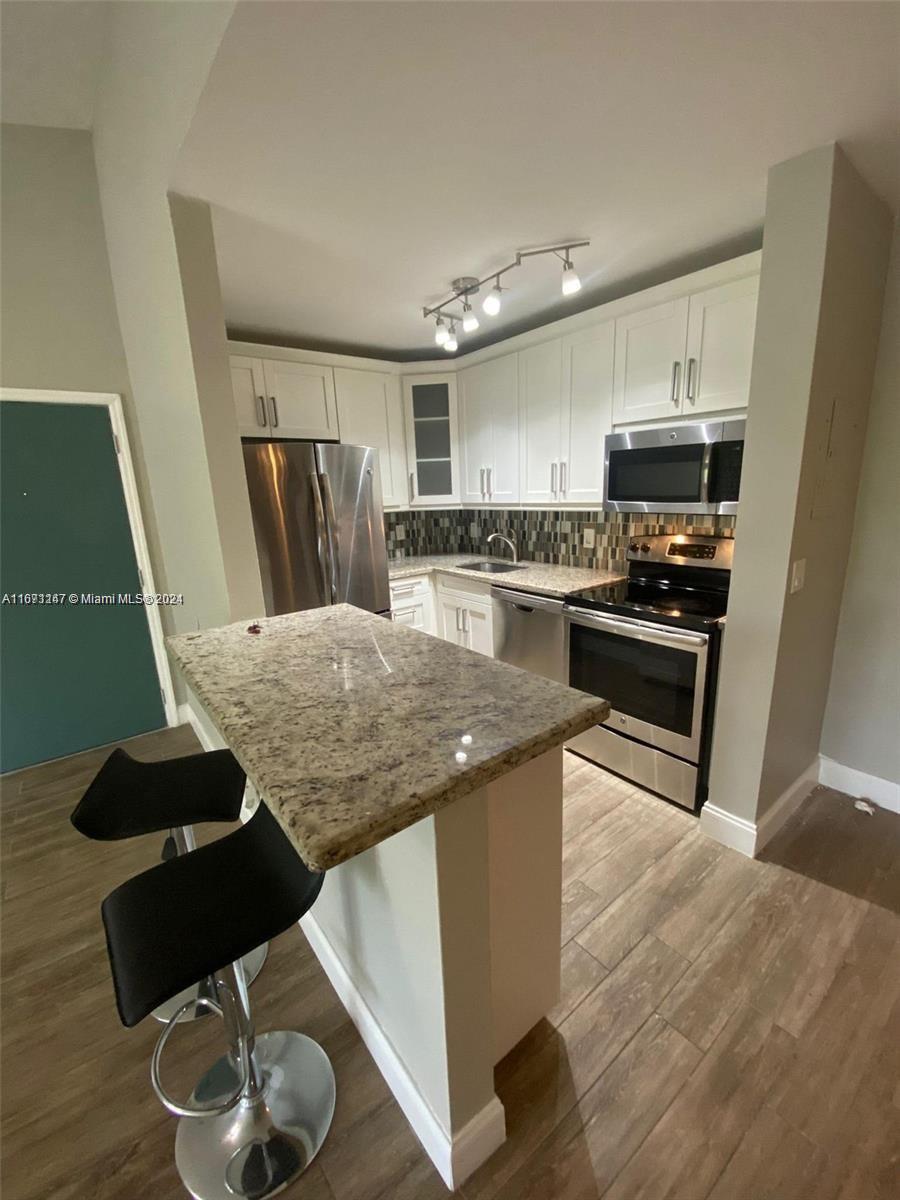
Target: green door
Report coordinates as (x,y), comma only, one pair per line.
(73,674)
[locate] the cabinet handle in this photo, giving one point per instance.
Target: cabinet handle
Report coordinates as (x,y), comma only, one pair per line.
(689,382)
(412,485)
(676,372)
(465,620)
(262,410)
(489,488)
(482,483)
(458,626)
(562,478)
(553,478)
(274,410)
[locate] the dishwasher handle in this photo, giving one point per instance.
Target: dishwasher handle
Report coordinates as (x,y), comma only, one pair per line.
(526,601)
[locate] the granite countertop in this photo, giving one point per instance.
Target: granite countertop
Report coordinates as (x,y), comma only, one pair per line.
(548,579)
(352,728)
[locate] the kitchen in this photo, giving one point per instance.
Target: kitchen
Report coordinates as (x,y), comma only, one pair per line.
(517,485)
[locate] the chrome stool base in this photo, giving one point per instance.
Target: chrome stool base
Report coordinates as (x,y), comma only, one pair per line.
(262,1144)
(253,964)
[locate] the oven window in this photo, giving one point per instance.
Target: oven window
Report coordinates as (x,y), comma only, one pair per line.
(641,679)
(666,474)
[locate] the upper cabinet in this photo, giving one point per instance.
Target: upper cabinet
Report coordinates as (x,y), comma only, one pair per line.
(432,452)
(370,412)
(489,432)
(586,415)
(283,399)
(540,391)
(686,356)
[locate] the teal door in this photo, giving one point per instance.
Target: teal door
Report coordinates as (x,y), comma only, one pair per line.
(73,674)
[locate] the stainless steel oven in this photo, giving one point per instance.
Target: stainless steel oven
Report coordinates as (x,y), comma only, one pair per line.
(654,677)
(683,468)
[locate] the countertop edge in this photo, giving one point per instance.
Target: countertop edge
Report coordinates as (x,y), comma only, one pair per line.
(396,570)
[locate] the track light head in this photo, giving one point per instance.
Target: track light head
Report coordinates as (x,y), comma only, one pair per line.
(470,321)
(441,332)
(570,281)
(451,344)
(493,300)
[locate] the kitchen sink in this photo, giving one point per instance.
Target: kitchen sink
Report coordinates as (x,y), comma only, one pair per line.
(492,568)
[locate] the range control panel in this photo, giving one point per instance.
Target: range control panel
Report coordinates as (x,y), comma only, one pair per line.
(682,549)
(676,550)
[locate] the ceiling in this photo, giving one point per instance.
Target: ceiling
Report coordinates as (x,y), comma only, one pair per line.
(360,156)
(50,57)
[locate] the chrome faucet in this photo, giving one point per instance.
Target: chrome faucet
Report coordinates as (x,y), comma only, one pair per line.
(502,537)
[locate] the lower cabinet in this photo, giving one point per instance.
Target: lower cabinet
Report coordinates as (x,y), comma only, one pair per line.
(412,603)
(465,616)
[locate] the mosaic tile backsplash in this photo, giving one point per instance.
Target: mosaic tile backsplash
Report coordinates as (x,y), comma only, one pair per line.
(541,534)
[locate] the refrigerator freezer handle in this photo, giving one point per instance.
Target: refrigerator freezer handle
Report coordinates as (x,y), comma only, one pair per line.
(330,530)
(322,544)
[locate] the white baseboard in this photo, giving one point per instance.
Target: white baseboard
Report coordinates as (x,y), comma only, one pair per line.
(728,829)
(786,805)
(455,1156)
(882,792)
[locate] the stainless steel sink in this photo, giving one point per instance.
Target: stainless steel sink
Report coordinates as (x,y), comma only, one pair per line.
(492,568)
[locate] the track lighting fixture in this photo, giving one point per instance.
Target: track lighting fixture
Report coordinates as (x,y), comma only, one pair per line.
(467,286)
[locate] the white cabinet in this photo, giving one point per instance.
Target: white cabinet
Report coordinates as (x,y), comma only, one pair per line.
(687,357)
(431,439)
(650,348)
(586,414)
(412,603)
(249,387)
(721,327)
(370,413)
(540,390)
(283,399)
(465,617)
(489,432)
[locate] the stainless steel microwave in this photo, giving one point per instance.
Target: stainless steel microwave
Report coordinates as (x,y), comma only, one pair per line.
(681,469)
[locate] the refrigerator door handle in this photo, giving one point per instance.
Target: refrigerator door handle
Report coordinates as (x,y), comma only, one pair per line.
(331,533)
(322,543)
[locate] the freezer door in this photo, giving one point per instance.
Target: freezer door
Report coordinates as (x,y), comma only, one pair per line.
(289,524)
(354,515)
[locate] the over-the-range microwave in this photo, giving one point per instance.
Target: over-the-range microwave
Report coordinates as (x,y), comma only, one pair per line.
(680,469)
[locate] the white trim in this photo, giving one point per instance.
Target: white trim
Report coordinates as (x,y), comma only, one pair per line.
(187,715)
(455,1157)
(786,805)
(728,829)
(883,792)
(113,403)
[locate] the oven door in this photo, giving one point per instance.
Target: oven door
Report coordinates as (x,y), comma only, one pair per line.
(653,677)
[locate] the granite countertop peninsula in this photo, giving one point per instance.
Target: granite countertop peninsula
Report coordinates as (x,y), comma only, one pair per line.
(546,579)
(352,728)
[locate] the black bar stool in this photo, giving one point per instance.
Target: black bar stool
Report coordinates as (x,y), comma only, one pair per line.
(258,1117)
(128,798)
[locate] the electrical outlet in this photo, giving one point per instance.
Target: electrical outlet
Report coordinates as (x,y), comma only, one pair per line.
(590,538)
(798,575)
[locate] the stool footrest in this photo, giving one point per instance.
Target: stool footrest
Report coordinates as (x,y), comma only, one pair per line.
(221,1104)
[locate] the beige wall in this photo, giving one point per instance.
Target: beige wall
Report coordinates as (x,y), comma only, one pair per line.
(58,319)
(824,258)
(862,720)
(192,223)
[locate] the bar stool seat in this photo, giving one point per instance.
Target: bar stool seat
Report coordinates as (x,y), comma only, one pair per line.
(261,1113)
(129,798)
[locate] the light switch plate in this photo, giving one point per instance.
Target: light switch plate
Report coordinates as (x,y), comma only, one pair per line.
(798,574)
(590,538)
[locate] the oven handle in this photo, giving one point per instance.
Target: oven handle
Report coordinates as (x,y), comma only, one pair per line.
(639,629)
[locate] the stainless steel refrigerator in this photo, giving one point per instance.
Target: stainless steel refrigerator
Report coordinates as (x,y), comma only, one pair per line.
(319,525)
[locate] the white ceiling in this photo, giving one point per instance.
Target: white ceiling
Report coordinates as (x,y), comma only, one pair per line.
(362,155)
(50,57)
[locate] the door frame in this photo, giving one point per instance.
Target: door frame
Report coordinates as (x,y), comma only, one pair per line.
(112,402)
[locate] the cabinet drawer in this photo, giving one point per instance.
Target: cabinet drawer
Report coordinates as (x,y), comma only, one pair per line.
(464,589)
(403,589)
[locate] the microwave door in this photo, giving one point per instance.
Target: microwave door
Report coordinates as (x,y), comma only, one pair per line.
(653,677)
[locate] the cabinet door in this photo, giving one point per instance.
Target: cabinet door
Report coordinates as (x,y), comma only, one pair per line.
(431,442)
(586,412)
(300,398)
(478,625)
(450,620)
(501,380)
(650,353)
(370,413)
(249,387)
(540,384)
(721,326)
(475,434)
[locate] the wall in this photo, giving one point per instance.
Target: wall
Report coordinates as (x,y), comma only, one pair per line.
(57,311)
(823,265)
(541,535)
(192,224)
(862,719)
(157,62)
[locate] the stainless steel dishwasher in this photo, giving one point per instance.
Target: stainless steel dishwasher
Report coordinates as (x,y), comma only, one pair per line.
(530,632)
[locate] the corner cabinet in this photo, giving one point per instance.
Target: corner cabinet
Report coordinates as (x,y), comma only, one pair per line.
(370,413)
(489,432)
(284,399)
(431,439)
(687,356)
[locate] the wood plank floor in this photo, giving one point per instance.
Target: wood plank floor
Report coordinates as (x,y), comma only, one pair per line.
(728,1030)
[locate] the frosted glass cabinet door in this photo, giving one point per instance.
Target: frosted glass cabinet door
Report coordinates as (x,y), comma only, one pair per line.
(431,439)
